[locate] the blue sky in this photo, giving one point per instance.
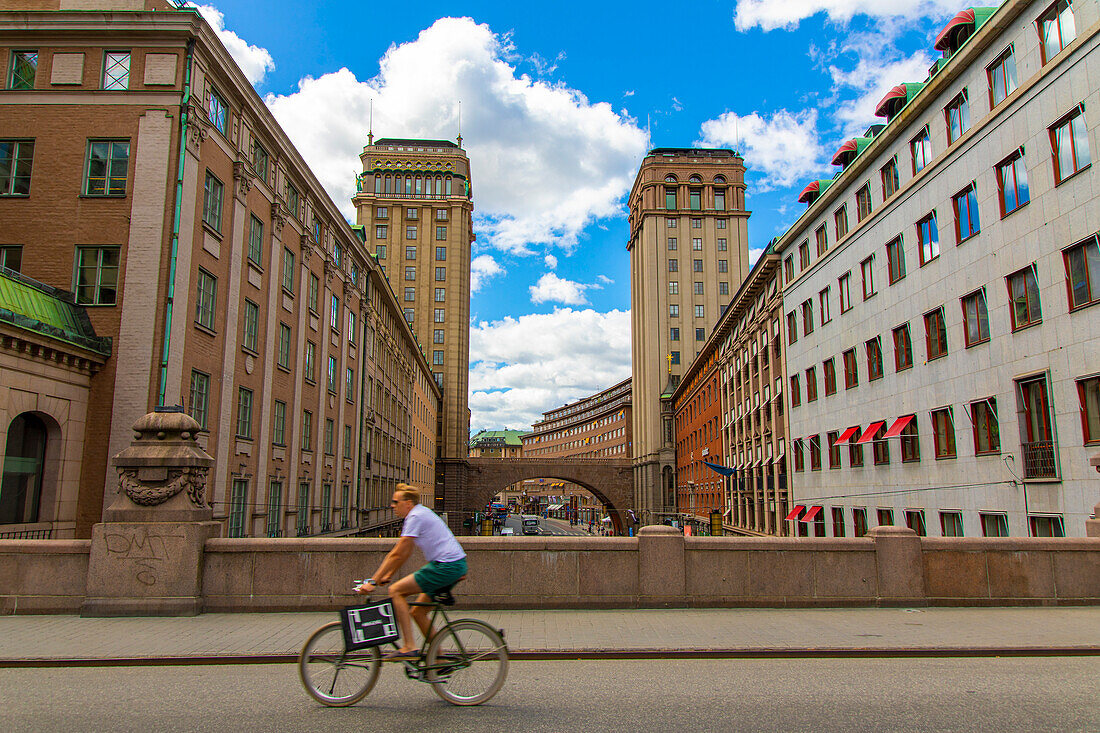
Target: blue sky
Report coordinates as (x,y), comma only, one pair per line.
(559,103)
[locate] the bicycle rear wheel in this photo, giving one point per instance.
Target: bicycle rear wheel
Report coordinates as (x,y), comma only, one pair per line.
(333,676)
(479,657)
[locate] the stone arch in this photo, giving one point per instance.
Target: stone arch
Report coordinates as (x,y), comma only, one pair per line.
(483,495)
(31,473)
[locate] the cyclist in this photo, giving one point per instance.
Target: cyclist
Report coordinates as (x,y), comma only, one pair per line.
(446,566)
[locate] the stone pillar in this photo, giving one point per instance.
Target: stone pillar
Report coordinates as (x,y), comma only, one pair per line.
(900,566)
(661,571)
(147,555)
(1092,525)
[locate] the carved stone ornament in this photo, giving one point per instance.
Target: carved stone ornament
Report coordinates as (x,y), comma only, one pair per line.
(197,127)
(307,247)
(279,215)
(242,174)
(164,460)
(150,493)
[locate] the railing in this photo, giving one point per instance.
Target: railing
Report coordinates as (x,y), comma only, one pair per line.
(1039,460)
(27,534)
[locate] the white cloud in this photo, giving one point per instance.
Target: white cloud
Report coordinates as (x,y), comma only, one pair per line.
(254,61)
(772,14)
(551,261)
(553,289)
(521,367)
(545,160)
(605,279)
(754,255)
(784,147)
(482,269)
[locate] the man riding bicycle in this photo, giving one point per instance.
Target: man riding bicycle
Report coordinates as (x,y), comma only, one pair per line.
(446,566)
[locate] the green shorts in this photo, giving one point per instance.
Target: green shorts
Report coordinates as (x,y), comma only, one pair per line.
(435,576)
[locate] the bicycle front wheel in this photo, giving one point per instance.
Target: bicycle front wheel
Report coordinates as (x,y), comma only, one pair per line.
(333,676)
(467,662)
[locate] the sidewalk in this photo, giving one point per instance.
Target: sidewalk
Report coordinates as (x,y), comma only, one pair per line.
(227,638)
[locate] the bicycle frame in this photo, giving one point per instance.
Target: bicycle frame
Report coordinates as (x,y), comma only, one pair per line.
(420,665)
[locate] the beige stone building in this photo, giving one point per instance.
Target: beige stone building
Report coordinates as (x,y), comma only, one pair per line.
(415,204)
(942,293)
(144,175)
(688,254)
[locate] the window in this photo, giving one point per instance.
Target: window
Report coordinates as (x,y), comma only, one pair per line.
(890,181)
(697,244)
(218,112)
(671,223)
(410,253)
(799,458)
(698,288)
(412,213)
(314,292)
(410,272)
(439,315)
(670,198)
(895,260)
(804,255)
(332,374)
(975,318)
(723,246)
(719,199)
(16,157)
(334,313)
(880,447)
(1056,29)
(673,265)
(1036,428)
(823,303)
(928,237)
(788,269)
(11,256)
(834,462)
(673,287)
(935,333)
(274,509)
(994,525)
(381,212)
(859,522)
(903,348)
(807,317)
(696,223)
(207,286)
(96,275)
(829,370)
(874,359)
(838,512)
(440,274)
(199,398)
(811,384)
(284,346)
(914,520)
(1088,390)
(441,215)
(943,432)
(255,240)
(987,431)
(437,357)
(1002,77)
(723,265)
(347,447)
(855,453)
(840,220)
(851,369)
(381,231)
(251,325)
(1069,140)
(303,509)
(410,231)
(697,265)
(260,161)
(24,64)
(288,271)
(238,502)
(675,357)
(910,445)
(1046,526)
(349,384)
(821,236)
(672,244)
(845,294)
(957,117)
(921,148)
(863,202)
(720,223)
(409,314)
(815,453)
(796,392)
(441,234)
(867,271)
(440,254)
(1083,273)
(293,201)
(310,362)
(437,336)
(1023,291)
(673,310)
(673,334)
(699,311)
(965,205)
(213,192)
(330,438)
(116,70)
(951,524)
(792,327)
(440,295)
(244,413)
(108,167)
(885,517)
(1012,183)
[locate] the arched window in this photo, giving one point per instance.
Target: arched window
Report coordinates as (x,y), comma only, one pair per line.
(378,184)
(695,179)
(719,179)
(408,185)
(24,463)
(428,186)
(389,185)
(670,178)
(419,186)
(448,184)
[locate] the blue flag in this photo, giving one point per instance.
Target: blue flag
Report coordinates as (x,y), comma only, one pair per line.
(720,469)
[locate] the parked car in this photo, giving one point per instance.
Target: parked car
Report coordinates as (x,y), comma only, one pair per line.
(507,532)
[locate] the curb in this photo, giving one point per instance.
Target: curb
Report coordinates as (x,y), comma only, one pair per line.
(601,654)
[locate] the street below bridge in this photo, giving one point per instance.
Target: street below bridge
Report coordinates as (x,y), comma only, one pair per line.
(548,527)
(956,693)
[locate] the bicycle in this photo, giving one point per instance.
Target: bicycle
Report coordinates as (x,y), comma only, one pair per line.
(465,661)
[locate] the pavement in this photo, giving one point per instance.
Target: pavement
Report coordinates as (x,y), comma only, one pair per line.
(219,638)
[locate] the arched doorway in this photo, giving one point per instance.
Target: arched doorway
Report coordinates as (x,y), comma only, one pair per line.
(24,468)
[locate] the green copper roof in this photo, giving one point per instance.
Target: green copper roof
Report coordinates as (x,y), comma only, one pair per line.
(486,438)
(36,307)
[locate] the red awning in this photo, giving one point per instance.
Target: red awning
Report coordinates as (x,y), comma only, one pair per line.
(883,107)
(793,516)
(844,150)
(943,40)
(846,435)
(814,511)
(810,190)
(898,426)
(869,433)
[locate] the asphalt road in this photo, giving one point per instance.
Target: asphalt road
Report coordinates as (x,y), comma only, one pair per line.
(960,694)
(547,527)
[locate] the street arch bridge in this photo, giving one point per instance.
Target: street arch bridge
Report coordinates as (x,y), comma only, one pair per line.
(471,483)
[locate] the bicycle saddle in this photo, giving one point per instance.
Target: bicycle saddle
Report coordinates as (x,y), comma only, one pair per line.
(444,596)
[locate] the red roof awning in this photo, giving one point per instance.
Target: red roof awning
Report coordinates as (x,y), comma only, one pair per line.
(807,193)
(846,435)
(869,433)
(963,18)
(848,148)
(794,513)
(899,425)
(814,511)
(882,109)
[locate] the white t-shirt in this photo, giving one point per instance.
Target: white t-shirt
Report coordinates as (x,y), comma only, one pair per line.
(431,535)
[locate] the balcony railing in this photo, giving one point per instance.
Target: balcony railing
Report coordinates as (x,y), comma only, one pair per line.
(27,534)
(1039,460)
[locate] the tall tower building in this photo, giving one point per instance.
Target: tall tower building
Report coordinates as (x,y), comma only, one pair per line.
(415,203)
(688,253)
